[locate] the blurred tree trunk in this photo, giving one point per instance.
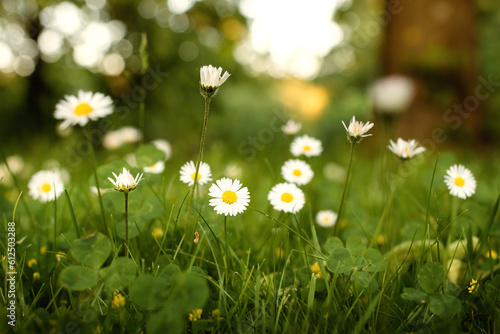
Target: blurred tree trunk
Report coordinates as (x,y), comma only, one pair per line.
(434,42)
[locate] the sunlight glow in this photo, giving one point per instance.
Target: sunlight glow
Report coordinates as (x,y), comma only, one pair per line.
(292,35)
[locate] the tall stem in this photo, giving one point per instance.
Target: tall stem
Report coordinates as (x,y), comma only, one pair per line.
(226,251)
(342,200)
(126,223)
(201,150)
(94,167)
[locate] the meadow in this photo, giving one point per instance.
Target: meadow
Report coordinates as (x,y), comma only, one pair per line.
(118,237)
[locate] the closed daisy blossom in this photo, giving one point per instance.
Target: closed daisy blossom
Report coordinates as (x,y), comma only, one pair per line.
(291,127)
(405,149)
(297,171)
(326,218)
(211,79)
(460,181)
(229,198)
(46,185)
(78,110)
(392,94)
(307,146)
(286,197)
(125,182)
(188,172)
(357,130)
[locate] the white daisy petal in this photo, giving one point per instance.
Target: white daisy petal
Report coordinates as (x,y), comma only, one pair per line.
(460,181)
(357,130)
(46,185)
(297,171)
(125,182)
(79,110)
(188,172)
(286,197)
(405,149)
(307,146)
(228,197)
(326,218)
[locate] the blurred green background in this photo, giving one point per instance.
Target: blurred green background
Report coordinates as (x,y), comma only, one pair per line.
(52,48)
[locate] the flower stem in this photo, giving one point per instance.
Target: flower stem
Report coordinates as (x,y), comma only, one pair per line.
(200,152)
(94,167)
(226,251)
(126,223)
(342,200)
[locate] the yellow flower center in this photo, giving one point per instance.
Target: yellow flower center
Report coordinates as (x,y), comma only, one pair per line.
(287,197)
(297,172)
(229,197)
(459,181)
(46,187)
(307,148)
(83,109)
(406,149)
(199,175)
(326,219)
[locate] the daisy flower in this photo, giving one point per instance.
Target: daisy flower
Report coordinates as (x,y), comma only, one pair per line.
(392,94)
(286,197)
(460,181)
(211,80)
(163,146)
(356,130)
(156,168)
(291,127)
(405,149)
(46,185)
(125,182)
(326,218)
(307,146)
(126,135)
(228,197)
(188,172)
(297,171)
(80,109)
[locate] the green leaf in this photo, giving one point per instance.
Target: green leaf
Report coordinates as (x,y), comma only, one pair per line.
(169,272)
(170,318)
(312,290)
(431,276)
(355,245)
(149,292)
(362,278)
(414,295)
(332,244)
(78,278)
(340,261)
(148,155)
(119,274)
(91,251)
(375,260)
(436,306)
(188,292)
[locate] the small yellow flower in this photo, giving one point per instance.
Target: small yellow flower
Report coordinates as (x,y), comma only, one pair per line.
(195,315)
(60,256)
(216,313)
(36,275)
(381,239)
(118,300)
(98,329)
(158,232)
(280,253)
(315,268)
(473,286)
(43,249)
(31,263)
(492,254)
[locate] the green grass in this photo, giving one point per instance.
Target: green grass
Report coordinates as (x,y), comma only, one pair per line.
(394,264)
